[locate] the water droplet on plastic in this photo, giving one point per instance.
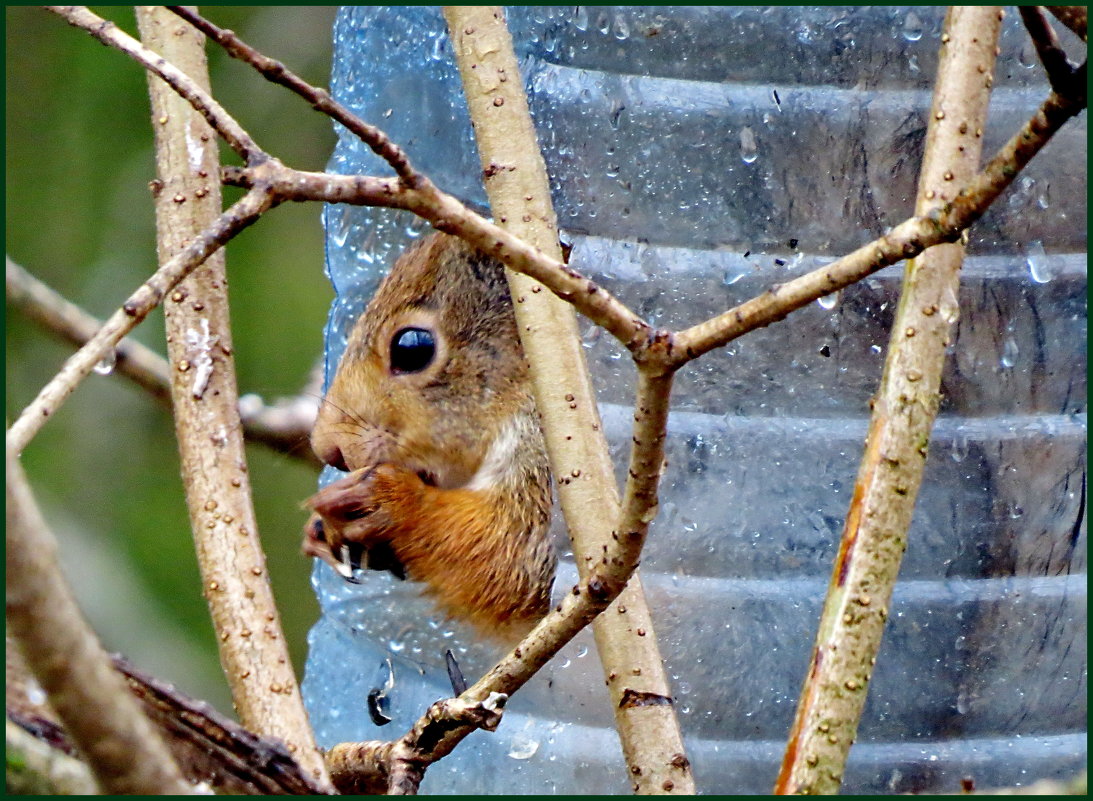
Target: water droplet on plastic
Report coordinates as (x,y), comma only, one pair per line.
(829,301)
(749,150)
(105,365)
(1039,266)
(523,747)
(1009,353)
(580,19)
(912,27)
(959,450)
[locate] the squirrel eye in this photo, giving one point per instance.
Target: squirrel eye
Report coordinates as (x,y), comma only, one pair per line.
(412,349)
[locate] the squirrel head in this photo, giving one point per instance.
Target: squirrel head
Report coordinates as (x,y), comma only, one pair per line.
(433,370)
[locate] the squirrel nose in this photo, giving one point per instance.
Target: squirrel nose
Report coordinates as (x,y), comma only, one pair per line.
(332,455)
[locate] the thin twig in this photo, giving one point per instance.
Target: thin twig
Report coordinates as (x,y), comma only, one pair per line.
(875,535)
(124,751)
(253,651)
(906,240)
(1060,72)
(150,294)
(109,34)
(1074,17)
(578,608)
(282,426)
(377,767)
(319,99)
(446,213)
(519,194)
(140,364)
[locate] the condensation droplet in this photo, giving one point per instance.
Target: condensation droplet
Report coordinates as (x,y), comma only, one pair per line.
(912,27)
(1009,353)
(734,274)
(749,150)
(959,450)
(1039,265)
(105,365)
(523,747)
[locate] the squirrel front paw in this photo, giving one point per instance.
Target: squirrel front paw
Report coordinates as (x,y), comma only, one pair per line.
(353,519)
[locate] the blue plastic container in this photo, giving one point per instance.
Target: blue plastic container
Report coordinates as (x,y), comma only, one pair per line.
(697,156)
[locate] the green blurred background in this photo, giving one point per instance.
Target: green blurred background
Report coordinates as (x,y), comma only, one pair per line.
(80,218)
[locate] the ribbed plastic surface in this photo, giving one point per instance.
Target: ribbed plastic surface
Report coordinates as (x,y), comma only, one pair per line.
(699,155)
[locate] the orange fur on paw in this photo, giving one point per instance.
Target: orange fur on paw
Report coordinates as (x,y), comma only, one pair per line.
(469,547)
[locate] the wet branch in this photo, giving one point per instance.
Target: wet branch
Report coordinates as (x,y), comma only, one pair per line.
(251,642)
(150,294)
(110,35)
(875,534)
(1074,17)
(124,752)
(282,426)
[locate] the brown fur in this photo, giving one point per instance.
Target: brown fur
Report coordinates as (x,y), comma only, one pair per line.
(418,441)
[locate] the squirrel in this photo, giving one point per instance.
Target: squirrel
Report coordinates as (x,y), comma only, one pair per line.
(431,409)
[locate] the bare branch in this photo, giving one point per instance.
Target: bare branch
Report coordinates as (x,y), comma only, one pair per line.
(1074,17)
(397,767)
(1060,72)
(906,240)
(35,768)
(319,99)
(519,193)
(150,294)
(446,213)
(875,535)
(124,752)
(210,748)
(142,365)
(282,426)
(253,651)
(111,36)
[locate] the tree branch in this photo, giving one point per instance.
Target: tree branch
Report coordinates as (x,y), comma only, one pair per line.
(1074,17)
(252,646)
(906,240)
(319,99)
(1061,74)
(210,749)
(35,768)
(124,752)
(875,535)
(108,34)
(519,193)
(149,295)
(283,426)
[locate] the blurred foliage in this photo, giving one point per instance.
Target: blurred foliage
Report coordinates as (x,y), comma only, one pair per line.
(80,217)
